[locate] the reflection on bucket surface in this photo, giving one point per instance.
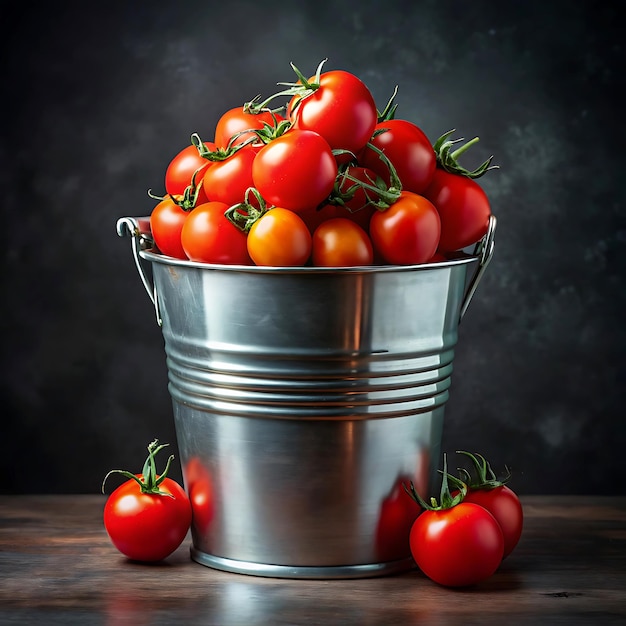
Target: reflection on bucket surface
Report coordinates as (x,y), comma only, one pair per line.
(305,398)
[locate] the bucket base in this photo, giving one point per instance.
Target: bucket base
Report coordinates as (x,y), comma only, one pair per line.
(301,572)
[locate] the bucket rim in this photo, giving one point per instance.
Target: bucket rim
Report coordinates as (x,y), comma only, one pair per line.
(460,258)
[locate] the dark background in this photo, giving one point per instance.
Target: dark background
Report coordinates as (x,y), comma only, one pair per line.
(97,98)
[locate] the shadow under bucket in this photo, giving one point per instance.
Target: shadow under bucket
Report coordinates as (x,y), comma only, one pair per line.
(303,399)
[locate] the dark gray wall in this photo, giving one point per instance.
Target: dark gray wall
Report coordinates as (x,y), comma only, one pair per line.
(97,100)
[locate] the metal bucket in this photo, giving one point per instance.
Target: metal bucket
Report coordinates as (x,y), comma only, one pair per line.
(303,398)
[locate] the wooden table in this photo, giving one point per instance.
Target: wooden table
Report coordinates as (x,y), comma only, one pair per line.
(57,566)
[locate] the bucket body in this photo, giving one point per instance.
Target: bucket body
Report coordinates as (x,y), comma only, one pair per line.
(303,400)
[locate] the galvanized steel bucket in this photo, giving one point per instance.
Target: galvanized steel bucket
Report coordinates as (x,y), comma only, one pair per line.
(303,398)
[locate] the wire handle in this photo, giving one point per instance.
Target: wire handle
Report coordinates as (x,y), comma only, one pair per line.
(484,250)
(138,228)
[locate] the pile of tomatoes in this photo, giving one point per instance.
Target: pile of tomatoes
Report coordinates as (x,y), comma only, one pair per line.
(324,179)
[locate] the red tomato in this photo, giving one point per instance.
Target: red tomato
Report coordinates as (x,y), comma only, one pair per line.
(166,223)
(148,516)
(485,489)
(208,236)
(458,546)
(407,232)
(340,242)
(226,181)
(295,171)
(279,238)
(240,119)
(504,505)
(409,150)
(463,207)
(341,109)
(182,167)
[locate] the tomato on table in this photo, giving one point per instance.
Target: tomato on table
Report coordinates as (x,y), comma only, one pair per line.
(485,489)
(148,516)
(453,542)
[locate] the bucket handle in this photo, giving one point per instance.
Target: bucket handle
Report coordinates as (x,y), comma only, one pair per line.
(484,251)
(138,228)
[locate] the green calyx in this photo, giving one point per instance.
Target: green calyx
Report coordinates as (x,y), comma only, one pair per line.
(245,214)
(148,481)
(389,112)
(483,477)
(383,196)
(377,194)
(189,199)
(303,87)
(446,499)
(447,159)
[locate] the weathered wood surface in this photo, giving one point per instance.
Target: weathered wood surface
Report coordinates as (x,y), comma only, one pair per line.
(57,566)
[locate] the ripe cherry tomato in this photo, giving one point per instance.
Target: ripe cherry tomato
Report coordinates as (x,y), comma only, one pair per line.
(341,109)
(340,242)
(166,223)
(409,150)
(182,167)
(295,171)
(226,181)
(485,489)
(463,207)
(504,505)
(407,232)
(239,119)
(279,238)
(148,516)
(208,236)
(458,546)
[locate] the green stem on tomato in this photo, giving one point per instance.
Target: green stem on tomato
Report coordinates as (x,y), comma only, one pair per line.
(244,214)
(148,481)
